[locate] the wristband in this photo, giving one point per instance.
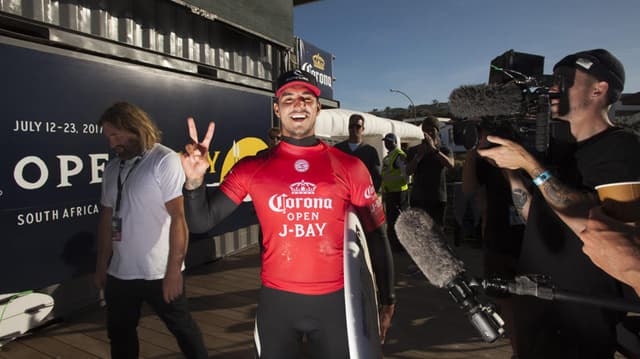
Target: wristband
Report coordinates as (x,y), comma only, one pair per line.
(542,178)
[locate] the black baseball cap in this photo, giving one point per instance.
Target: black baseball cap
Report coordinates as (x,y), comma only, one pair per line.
(297,77)
(390,137)
(602,65)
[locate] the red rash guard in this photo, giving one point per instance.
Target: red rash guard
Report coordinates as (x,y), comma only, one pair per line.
(300,195)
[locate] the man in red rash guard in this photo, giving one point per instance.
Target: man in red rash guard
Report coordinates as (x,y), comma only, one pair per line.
(301,189)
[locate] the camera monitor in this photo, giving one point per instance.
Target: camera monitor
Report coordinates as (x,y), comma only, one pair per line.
(528,64)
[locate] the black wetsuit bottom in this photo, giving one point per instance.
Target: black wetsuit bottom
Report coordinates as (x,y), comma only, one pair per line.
(284,318)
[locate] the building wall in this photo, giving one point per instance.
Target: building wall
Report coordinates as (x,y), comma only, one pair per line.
(168,30)
(65,62)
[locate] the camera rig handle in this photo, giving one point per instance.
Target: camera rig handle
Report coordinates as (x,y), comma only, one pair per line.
(543,120)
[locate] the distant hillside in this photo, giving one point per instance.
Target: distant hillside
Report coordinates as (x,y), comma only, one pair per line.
(439,109)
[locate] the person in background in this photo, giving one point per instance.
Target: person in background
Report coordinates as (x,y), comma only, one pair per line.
(274,136)
(428,163)
(301,191)
(395,186)
(555,205)
(501,227)
(356,147)
(142,234)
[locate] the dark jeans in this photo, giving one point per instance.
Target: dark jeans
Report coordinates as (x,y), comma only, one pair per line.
(124,300)
(394,202)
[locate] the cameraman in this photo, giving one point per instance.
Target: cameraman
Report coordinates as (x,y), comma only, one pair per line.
(556,209)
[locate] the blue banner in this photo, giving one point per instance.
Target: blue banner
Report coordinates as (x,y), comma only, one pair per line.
(320,64)
(53,153)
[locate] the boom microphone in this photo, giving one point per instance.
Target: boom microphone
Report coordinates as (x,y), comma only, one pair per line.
(424,241)
(539,286)
(483,100)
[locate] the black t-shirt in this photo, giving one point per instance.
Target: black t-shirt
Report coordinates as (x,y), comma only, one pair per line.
(552,249)
(429,179)
(369,156)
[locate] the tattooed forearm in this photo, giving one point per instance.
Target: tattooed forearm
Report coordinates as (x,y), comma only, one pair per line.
(520,199)
(557,194)
(570,204)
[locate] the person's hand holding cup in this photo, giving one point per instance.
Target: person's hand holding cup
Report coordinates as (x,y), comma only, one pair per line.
(621,200)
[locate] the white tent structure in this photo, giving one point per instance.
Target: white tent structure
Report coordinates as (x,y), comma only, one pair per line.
(332,125)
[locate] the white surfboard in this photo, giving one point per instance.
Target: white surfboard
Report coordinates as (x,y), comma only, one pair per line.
(20,312)
(361,305)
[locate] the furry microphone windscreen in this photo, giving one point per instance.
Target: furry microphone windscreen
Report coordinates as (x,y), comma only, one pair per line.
(482,100)
(425,242)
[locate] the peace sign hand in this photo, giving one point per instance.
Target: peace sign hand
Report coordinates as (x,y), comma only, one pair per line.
(194,159)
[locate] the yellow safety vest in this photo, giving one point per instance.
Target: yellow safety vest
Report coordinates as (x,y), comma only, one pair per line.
(392,178)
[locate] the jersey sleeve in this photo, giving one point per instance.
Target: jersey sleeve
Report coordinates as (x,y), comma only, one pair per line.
(363,196)
(236,183)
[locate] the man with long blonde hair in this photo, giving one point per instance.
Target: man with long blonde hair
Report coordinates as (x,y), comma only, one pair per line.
(142,234)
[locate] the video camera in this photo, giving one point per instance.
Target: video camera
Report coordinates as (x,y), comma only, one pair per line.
(516,104)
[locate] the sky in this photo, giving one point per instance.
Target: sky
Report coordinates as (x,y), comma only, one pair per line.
(427,48)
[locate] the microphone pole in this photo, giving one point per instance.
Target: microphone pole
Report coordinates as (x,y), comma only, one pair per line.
(425,243)
(537,286)
(482,316)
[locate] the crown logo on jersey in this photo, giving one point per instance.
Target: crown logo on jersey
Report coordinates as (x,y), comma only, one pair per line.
(303,187)
(318,61)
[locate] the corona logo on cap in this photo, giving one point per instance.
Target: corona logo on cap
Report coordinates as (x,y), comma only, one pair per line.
(318,61)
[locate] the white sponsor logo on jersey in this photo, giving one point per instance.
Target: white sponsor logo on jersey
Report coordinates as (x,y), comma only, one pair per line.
(301,165)
(303,187)
(279,203)
(370,192)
